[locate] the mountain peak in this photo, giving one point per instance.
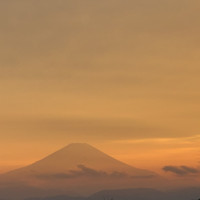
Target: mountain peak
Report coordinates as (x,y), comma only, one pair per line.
(78,145)
(77,149)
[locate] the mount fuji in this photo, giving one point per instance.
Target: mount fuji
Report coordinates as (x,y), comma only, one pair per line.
(77,169)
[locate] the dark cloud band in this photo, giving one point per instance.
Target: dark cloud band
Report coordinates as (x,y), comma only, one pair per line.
(181,170)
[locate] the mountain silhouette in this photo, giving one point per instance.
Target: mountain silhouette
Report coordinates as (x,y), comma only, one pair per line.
(75,155)
(77,169)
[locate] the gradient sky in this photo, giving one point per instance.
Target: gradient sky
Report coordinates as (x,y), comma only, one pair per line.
(122,75)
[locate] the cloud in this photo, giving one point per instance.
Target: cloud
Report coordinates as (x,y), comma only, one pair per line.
(181,170)
(190,170)
(88,172)
(83,171)
(104,129)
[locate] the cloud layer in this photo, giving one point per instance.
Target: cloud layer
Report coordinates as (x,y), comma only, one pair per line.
(91,173)
(181,170)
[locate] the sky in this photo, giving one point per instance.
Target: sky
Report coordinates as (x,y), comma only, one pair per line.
(121,75)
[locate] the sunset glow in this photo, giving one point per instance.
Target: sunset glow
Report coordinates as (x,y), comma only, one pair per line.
(120,75)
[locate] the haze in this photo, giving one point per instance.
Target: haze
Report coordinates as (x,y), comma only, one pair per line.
(121,75)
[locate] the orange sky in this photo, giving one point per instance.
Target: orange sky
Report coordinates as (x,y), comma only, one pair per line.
(120,75)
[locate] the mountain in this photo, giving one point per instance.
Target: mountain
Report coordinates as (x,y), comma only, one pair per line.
(77,169)
(75,155)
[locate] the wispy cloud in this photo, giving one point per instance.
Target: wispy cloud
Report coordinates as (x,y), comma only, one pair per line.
(183,140)
(91,173)
(104,129)
(181,170)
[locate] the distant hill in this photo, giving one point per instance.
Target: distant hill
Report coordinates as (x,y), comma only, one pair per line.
(135,194)
(130,194)
(60,197)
